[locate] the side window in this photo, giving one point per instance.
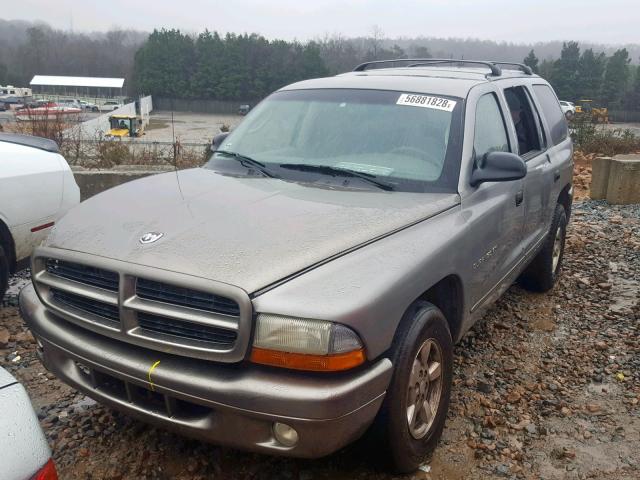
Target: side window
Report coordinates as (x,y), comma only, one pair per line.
(552,112)
(491,132)
(524,120)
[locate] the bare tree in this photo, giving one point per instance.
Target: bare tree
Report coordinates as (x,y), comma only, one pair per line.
(375,41)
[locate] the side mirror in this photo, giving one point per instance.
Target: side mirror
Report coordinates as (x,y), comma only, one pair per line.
(218,139)
(499,167)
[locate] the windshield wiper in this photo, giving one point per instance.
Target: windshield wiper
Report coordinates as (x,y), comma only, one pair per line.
(248,162)
(337,172)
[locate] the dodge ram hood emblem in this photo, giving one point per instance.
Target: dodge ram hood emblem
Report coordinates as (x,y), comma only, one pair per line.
(151,237)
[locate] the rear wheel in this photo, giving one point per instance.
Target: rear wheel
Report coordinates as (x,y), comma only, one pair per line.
(4,273)
(543,271)
(414,411)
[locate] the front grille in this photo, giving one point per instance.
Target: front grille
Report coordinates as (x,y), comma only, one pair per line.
(88,305)
(181,329)
(96,277)
(191,316)
(186,297)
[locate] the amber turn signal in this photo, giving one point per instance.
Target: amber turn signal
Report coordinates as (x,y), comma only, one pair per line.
(302,361)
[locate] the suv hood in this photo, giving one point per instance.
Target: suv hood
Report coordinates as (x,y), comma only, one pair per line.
(246,231)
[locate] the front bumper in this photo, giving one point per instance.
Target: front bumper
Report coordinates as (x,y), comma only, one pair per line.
(232,404)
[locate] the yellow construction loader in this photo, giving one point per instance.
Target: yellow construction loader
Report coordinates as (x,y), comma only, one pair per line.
(585,111)
(125,126)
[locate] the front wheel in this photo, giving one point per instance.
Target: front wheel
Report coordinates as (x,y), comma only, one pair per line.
(414,411)
(543,271)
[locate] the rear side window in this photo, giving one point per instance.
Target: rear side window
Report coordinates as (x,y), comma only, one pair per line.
(552,112)
(491,133)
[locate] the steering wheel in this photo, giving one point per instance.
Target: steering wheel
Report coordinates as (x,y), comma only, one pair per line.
(418,153)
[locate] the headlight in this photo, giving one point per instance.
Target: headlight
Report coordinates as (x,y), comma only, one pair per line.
(305,344)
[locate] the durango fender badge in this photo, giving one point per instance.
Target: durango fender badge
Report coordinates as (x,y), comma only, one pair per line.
(151,237)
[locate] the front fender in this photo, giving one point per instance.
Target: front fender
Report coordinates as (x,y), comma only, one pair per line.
(370,289)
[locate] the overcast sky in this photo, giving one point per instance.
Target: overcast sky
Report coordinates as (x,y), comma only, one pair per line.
(522,21)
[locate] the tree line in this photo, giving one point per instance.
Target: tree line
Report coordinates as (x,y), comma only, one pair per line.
(609,81)
(230,67)
(172,63)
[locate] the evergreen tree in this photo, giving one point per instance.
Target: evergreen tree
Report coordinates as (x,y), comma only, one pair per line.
(209,50)
(531,61)
(633,98)
(615,79)
(590,73)
(163,65)
(545,70)
(421,52)
(565,71)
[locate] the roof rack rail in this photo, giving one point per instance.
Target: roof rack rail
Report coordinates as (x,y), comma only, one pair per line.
(525,68)
(495,70)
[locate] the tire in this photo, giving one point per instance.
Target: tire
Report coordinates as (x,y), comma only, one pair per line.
(407,446)
(568,115)
(543,271)
(4,274)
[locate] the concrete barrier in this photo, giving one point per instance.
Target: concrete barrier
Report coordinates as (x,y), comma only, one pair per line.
(92,182)
(617,179)
(623,186)
(599,177)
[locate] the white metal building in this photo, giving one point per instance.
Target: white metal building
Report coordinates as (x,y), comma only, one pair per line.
(89,87)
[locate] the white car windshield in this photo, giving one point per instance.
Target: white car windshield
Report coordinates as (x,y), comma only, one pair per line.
(401,138)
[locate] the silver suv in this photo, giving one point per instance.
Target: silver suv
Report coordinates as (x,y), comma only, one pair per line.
(310,280)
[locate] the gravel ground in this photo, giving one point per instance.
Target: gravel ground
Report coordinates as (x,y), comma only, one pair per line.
(546,387)
(187,127)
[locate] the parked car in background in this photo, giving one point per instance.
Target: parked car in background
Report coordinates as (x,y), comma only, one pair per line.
(110,105)
(311,279)
(37,187)
(11,100)
(89,106)
(244,109)
(24,451)
(82,104)
(568,108)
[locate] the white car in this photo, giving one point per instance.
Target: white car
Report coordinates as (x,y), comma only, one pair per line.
(37,187)
(91,107)
(568,108)
(82,104)
(110,106)
(24,451)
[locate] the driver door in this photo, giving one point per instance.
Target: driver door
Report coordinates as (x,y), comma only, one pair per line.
(494,210)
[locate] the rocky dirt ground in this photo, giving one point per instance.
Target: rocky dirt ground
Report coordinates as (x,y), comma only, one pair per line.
(547,386)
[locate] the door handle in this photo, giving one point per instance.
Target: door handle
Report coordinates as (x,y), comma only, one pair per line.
(519,197)
(556,175)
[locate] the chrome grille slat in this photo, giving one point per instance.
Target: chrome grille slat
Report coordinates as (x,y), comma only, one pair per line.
(186,297)
(77,288)
(192,331)
(103,310)
(85,274)
(180,313)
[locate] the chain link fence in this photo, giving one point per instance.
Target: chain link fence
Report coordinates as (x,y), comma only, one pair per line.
(104,154)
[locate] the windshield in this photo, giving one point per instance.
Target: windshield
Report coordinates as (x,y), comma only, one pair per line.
(408,141)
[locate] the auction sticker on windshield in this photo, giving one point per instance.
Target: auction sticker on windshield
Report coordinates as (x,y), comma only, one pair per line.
(426,101)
